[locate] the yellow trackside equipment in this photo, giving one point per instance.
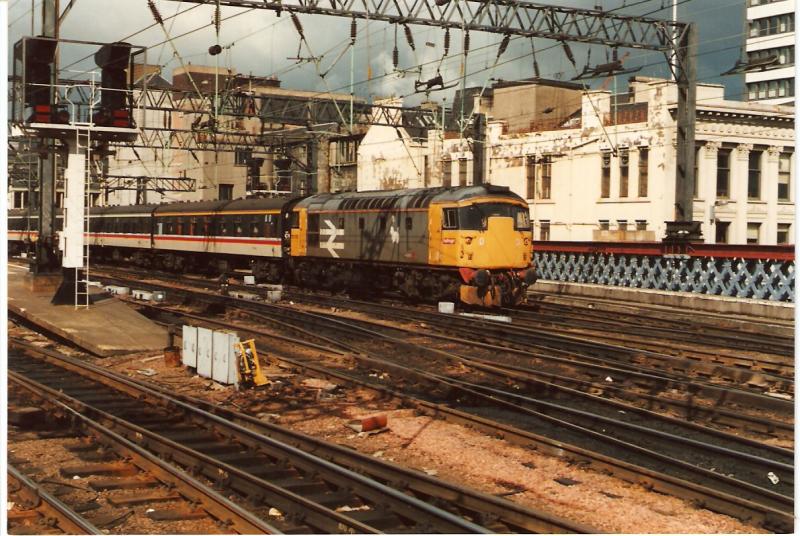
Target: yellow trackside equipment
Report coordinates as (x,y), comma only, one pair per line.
(249,368)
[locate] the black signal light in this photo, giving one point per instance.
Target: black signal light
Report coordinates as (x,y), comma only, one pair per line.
(114,60)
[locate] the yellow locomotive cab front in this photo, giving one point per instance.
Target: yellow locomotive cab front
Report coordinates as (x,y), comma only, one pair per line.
(490,243)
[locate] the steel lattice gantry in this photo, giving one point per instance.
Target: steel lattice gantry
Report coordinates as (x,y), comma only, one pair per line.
(512,17)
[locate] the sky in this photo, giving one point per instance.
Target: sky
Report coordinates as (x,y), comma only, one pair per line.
(259,42)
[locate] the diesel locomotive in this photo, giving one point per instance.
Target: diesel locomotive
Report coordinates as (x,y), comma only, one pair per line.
(470,243)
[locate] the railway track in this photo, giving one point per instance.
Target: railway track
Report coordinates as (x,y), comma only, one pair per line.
(312,494)
(711,482)
(701,323)
(763,371)
(117,481)
(33,510)
(756,457)
(726,406)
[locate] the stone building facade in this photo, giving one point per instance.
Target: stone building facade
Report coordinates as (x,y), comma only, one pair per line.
(597,168)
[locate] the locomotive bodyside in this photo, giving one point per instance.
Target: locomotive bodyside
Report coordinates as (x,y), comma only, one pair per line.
(470,242)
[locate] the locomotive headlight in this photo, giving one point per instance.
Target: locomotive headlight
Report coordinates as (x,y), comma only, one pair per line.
(468,240)
(527,242)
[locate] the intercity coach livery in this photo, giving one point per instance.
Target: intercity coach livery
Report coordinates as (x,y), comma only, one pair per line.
(469,243)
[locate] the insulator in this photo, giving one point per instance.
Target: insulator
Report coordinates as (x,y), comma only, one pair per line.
(503,45)
(297,24)
(446,41)
(353,31)
(154,10)
(395,57)
(466,42)
(409,37)
(217,18)
(568,52)
(214,50)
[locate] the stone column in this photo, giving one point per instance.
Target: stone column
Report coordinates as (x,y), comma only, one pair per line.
(769,192)
(707,186)
(739,165)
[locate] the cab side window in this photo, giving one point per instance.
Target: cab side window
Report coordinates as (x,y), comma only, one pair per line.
(449,218)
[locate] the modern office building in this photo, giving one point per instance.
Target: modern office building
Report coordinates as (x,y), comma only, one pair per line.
(770,41)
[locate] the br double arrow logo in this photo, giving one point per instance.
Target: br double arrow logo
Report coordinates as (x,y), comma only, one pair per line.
(332,233)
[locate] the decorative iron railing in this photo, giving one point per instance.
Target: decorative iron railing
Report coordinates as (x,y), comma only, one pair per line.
(746,271)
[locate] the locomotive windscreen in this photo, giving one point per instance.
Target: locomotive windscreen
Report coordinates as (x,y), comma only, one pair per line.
(475,217)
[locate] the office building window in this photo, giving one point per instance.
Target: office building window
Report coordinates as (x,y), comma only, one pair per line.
(721,232)
(784,176)
(781,55)
(696,186)
(777,24)
(753,233)
(644,162)
(771,89)
(723,173)
(754,175)
(225,192)
(462,172)
(623,173)
(605,180)
(784,236)
(622,225)
(447,173)
(604,225)
(530,176)
(544,230)
(641,225)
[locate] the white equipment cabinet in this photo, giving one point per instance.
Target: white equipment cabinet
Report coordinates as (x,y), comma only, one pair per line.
(224,358)
(189,353)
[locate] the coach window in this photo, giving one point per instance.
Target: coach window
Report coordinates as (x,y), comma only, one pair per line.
(179,226)
(409,223)
(295,220)
(361,223)
(239,230)
(223,227)
(270,227)
(255,227)
(341,223)
(382,221)
(450,218)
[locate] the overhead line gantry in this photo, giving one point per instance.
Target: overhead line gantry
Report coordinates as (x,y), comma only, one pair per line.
(676,40)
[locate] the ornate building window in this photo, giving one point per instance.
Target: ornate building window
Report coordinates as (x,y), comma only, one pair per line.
(605,178)
(784,176)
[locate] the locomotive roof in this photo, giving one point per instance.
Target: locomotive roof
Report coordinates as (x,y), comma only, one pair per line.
(402,198)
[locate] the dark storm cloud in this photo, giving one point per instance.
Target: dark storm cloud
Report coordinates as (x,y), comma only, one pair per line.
(260,43)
